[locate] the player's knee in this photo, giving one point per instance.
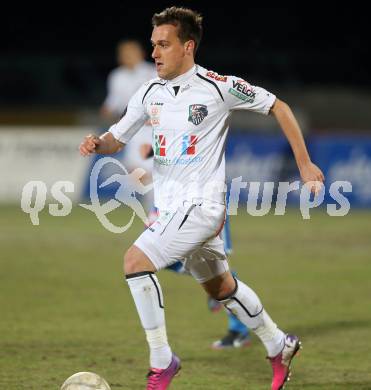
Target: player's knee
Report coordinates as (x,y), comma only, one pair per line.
(136,261)
(221,286)
(130,262)
(225,290)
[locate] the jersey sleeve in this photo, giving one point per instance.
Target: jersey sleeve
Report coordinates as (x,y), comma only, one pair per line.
(240,95)
(133,120)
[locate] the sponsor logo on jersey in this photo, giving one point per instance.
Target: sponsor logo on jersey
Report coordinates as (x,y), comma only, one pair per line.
(160,145)
(185,88)
(197,113)
(187,155)
(216,76)
(187,160)
(242,90)
(155,113)
(189,144)
(164,161)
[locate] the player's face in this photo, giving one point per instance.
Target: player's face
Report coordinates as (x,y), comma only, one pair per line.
(172,57)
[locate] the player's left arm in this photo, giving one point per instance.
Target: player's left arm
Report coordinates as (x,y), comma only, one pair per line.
(240,95)
(289,125)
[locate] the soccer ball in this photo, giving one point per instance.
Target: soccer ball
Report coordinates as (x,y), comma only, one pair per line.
(85,381)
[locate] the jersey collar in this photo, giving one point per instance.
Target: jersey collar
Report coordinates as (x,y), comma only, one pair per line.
(183,77)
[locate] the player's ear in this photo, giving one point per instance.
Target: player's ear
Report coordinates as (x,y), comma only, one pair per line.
(189,46)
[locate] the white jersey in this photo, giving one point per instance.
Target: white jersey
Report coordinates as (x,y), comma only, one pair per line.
(132,157)
(123,83)
(189,131)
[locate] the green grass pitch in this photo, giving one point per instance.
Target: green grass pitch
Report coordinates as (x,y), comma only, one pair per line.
(65,306)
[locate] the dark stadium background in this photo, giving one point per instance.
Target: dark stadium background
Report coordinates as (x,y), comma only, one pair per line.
(59,54)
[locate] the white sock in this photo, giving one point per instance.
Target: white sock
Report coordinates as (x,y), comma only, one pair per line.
(148,299)
(246,306)
(272,337)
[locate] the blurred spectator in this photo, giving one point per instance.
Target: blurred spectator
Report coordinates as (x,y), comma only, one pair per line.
(125,80)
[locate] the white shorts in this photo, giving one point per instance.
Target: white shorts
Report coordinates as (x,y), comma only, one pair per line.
(191,235)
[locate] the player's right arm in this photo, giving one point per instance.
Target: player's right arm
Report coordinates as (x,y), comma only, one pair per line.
(105,144)
(120,133)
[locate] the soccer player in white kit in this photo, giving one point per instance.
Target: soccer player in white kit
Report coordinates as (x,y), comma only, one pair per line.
(122,83)
(189,108)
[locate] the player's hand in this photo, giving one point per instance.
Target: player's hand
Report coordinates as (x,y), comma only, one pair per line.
(88,145)
(312,176)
